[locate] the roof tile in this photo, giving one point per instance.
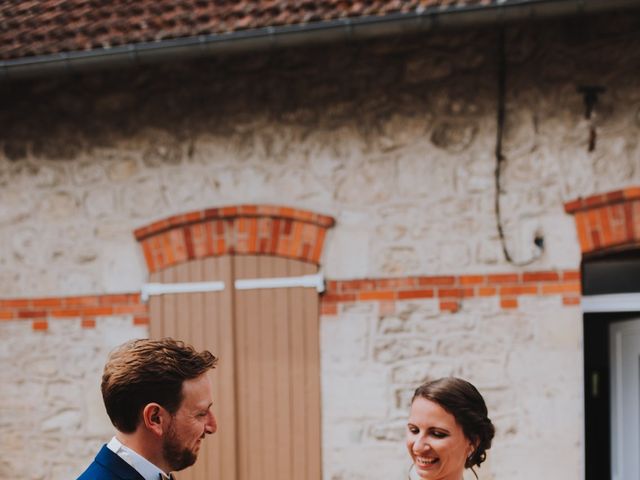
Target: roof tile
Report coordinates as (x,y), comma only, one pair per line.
(52,26)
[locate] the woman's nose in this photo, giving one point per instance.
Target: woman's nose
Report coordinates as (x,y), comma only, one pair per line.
(420,444)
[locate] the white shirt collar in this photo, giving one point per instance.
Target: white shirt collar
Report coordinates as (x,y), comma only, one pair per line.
(143,466)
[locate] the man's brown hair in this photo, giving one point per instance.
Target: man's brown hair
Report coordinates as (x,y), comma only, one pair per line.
(144,371)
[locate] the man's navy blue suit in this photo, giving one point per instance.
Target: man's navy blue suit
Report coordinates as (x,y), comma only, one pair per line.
(109,466)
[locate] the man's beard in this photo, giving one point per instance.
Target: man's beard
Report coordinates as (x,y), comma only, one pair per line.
(177,456)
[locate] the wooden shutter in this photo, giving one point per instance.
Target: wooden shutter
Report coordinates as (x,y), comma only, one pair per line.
(278,377)
(205,321)
(267,388)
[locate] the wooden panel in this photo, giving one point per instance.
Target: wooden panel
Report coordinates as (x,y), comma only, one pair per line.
(310,320)
(249,373)
(169,306)
(268,333)
(277,373)
(190,328)
(224,388)
(242,387)
(182,312)
(297,342)
(267,386)
(282,376)
(204,320)
(156,327)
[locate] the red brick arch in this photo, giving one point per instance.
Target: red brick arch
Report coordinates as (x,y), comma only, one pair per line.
(608,222)
(244,229)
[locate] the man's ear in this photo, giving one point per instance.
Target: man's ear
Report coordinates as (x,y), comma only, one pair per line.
(154,418)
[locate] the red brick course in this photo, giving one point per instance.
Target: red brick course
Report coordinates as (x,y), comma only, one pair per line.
(40,311)
(452,290)
(607,222)
(244,229)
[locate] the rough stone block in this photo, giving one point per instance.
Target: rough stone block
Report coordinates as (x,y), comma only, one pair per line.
(395,349)
(388,432)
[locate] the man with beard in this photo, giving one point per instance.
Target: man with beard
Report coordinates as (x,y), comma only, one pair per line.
(158,397)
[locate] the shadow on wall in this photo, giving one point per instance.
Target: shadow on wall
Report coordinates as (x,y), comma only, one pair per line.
(62,117)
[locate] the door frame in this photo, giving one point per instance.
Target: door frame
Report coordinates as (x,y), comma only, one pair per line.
(597,392)
(610,293)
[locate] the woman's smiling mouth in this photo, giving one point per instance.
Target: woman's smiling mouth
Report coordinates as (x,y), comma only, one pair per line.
(426,462)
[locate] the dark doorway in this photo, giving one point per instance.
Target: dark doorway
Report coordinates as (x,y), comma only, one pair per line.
(610,275)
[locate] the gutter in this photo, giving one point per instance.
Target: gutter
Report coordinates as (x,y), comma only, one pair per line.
(269,38)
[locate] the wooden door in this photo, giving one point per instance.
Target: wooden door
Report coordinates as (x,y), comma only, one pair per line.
(267,384)
(278,374)
(204,320)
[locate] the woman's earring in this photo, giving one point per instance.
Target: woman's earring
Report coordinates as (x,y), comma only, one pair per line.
(470,457)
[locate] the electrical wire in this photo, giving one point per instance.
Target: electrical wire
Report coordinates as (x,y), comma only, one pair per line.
(500,158)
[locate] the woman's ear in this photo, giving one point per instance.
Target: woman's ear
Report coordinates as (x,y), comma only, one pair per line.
(473,446)
(153,417)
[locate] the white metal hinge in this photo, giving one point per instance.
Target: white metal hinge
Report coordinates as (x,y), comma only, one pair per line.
(310,281)
(307,281)
(149,289)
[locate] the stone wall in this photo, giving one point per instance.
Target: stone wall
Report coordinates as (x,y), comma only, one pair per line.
(52,419)
(379,338)
(395,139)
(526,363)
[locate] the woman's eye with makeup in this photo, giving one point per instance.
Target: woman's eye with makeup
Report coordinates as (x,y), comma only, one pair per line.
(438,434)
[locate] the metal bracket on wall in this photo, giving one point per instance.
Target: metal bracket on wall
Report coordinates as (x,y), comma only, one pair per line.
(590,93)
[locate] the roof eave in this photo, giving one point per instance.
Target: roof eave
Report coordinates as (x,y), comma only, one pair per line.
(345,29)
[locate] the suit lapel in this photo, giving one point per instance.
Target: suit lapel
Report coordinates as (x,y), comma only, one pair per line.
(116,465)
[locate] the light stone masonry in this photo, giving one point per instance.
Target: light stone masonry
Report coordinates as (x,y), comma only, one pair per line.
(527,364)
(52,419)
(402,155)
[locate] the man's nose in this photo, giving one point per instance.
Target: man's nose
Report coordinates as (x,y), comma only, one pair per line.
(211,425)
